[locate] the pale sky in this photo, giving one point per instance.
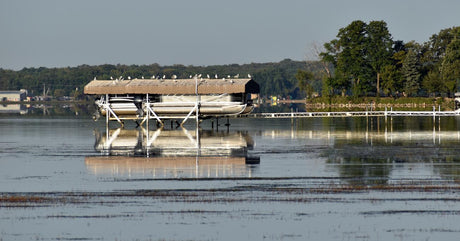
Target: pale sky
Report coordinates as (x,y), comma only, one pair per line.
(60,33)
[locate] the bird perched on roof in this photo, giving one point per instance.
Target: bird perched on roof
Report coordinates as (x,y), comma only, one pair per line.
(164,77)
(215,76)
(237,76)
(174,76)
(249,76)
(208,76)
(142,77)
(231,81)
(111,77)
(94,78)
(199,76)
(129,77)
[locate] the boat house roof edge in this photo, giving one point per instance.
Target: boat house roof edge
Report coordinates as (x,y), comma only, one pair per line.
(171,86)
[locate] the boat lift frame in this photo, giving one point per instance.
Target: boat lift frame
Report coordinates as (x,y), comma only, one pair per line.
(146,108)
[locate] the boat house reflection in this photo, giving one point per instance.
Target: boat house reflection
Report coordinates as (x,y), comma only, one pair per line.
(172,153)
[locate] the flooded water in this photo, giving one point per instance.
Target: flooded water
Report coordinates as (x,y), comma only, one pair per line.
(67,177)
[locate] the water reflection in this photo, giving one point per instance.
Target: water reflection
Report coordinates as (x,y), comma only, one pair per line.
(380,154)
(13,109)
(47,109)
(381,157)
(172,153)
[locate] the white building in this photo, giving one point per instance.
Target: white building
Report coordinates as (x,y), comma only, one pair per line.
(11,95)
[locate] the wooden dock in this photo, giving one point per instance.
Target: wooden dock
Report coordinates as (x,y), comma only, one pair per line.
(350,114)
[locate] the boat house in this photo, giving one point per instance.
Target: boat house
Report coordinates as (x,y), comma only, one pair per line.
(10,95)
(173,98)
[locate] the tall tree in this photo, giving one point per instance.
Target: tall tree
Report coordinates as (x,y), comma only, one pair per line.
(360,52)
(390,80)
(438,43)
(411,74)
(351,61)
(379,49)
(450,67)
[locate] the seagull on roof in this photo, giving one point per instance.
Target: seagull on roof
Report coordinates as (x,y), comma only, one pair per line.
(199,76)
(174,76)
(142,77)
(208,76)
(129,77)
(231,81)
(111,77)
(164,76)
(237,76)
(215,76)
(249,76)
(94,78)
(190,76)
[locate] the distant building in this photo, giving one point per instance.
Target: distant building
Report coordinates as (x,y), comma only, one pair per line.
(457,101)
(11,95)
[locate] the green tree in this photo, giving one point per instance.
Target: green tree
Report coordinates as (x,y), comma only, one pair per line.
(450,67)
(351,61)
(433,83)
(390,79)
(438,44)
(359,55)
(411,74)
(379,49)
(305,81)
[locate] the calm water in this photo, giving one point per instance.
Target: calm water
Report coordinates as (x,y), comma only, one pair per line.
(66,177)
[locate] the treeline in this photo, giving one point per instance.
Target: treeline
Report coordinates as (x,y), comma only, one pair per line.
(364,60)
(274,78)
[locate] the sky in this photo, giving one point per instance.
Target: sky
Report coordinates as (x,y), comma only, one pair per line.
(61,33)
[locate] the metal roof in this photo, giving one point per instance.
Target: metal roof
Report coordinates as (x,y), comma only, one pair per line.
(172,86)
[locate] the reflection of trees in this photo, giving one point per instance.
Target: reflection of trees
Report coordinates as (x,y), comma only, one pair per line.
(373,164)
(58,110)
(386,144)
(360,168)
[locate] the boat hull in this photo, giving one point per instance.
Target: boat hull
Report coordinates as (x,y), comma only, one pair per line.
(162,109)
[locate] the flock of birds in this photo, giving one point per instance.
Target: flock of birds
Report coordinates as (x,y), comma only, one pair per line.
(174,77)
